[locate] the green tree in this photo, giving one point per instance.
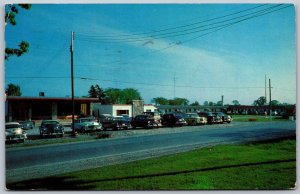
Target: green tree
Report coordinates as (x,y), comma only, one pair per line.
(196,103)
(178,101)
(100,94)
(118,96)
(92,92)
(13,90)
(130,94)
(275,103)
(260,101)
(235,102)
(219,103)
(10,17)
(211,103)
(205,103)
(160,101)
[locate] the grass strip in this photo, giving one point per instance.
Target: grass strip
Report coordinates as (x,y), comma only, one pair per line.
(258,165)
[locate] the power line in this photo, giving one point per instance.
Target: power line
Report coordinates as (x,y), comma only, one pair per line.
(187,31)
(171,28)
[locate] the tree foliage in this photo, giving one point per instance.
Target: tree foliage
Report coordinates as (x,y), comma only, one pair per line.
(260,101)
(97,92)
(119,96)
(196,103)
(235,102)
(160,101)
(10,17)
(13,90)
(275,103)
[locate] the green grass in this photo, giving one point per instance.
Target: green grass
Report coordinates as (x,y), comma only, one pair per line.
(265,165)
(256,118)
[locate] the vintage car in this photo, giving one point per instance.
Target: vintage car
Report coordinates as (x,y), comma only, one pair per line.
(210,117)
(26,125)
(114,123)
(156,116)
(225,118)
(14,132)
(194,119)
(51,128)
(173,119)
(87,124)
(144,121)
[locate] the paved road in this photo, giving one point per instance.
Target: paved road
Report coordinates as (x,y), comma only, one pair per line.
(28,163)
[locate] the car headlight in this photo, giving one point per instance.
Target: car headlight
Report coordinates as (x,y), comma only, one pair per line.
(18,131)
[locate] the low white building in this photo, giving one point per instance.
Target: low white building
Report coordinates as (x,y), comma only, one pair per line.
(119,109)
(150,108)
(112,109)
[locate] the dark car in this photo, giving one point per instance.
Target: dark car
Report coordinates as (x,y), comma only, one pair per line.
(110,122)
(217,118)
(211,118)
(145,121)
(26,125)
(173,119)
(51,128)
(224,117)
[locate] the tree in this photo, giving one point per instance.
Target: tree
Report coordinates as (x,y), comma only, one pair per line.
(129,94)
(235,102)
(205,103)
(97,92)
(260,101)
(275,103)
(13,90)
(100,94)
(196,103)
(219,103)
(211,103)
(10,17)
(160,101)
(92,92)
(178,101)
(118,96)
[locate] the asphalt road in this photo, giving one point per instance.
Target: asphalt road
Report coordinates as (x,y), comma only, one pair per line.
(35,162)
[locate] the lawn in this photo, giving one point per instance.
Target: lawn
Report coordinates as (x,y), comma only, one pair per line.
(264,165)
(256,118)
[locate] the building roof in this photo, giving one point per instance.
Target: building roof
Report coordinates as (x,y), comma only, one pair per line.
(24,98)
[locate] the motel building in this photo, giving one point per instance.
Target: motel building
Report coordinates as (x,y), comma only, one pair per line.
(19,108)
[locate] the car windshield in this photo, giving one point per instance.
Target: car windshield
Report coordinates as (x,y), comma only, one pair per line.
(50,122)
(85,120)
(11,126)
(119,118)
(191,115)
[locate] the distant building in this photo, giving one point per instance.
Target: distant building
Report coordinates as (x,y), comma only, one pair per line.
(112,109)
(39,108)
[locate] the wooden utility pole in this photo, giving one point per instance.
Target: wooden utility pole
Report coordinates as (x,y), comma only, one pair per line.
(270,99)
(72,82)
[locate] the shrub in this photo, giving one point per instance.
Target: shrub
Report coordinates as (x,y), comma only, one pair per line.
(252,119)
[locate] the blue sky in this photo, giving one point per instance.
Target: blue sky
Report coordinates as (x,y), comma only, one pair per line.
(146,46)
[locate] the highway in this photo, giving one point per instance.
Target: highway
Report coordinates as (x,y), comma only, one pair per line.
(35,162)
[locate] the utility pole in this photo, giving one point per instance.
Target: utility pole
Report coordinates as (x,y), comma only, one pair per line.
(270,99)
(174,86)
(266,87)
(72,82)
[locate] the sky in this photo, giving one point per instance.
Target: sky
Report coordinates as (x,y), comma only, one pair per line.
(194,51)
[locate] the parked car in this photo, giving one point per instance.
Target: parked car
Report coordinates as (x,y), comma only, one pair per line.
(127,119)
(26,125)
(173,119)
(210,117)
(225,118)
(115,123)
(145,121)
(156,116)
(51,128)
(194,119)
(121,122)
(87,124)
(217,118)
(14,132)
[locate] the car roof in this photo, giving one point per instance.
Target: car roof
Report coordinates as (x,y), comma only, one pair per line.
(12,123)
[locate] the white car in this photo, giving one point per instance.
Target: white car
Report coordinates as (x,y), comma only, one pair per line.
(14,132)
(87,124)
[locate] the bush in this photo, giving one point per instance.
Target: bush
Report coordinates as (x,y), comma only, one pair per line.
(252,119)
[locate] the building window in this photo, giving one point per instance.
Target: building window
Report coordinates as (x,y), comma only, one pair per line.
(122,112)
